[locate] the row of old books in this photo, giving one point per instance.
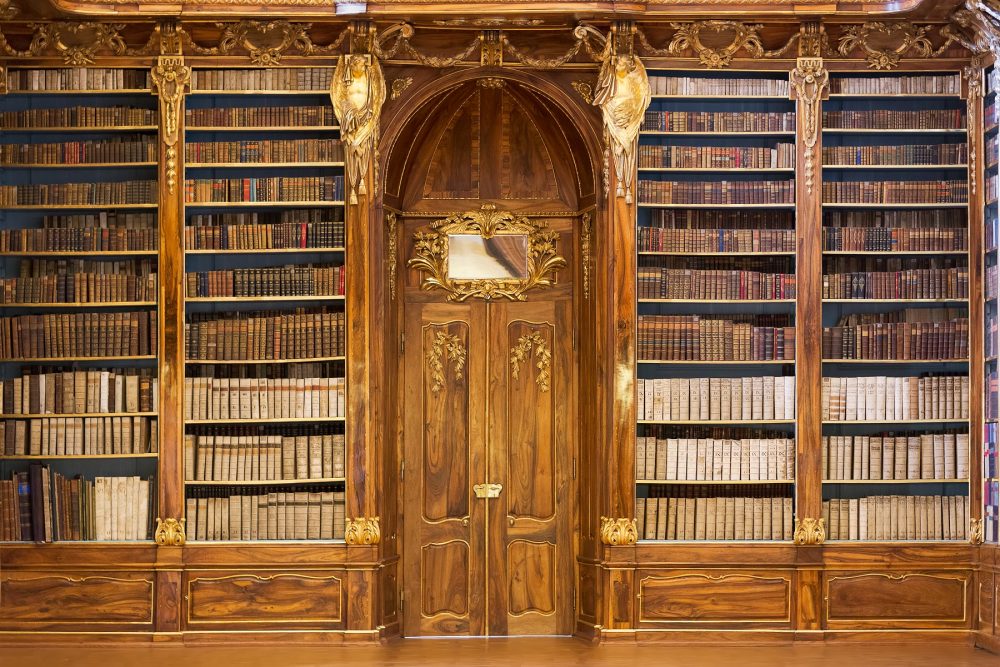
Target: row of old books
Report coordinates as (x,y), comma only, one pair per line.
(896,192)
(114,149)
(991,410)
(99,232)
(902,456)
(198,236)
(991,286)
(79,194)
(950,283)
(716,399)
(714,518)
(79,392)
(990,116)
(742,219)
(715,338)
(280,514)
(897,518)
(680,86)
(263,398)
(909,219)
(80,281)
(898,340)
(992,144)
(991,344)
(991,511)
(909,154)
(295,78)
(896,119)
(79,436)
(991,188)
(718,121)
(991,229)
(240,458)
(289,280)
(283,116)
(42,505)
(716,192)
(895,239)
(269,189)
(693,284)
(882,398)
(659,239)
(265,150)
(782,156)
(928,84)
(305,334)
(78,78)
(78,335)
(79,116)
(710,459)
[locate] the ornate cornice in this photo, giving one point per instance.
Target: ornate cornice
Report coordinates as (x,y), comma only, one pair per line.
(78,43)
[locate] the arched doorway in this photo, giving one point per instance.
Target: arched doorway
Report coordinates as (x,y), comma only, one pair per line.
(488,388)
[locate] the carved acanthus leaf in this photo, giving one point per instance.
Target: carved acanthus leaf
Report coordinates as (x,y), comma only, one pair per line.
(870,38)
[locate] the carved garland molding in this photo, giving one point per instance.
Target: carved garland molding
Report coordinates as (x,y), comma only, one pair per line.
(448,346)
(586,224)
(171,78)
(618,532)
(265,41)
(974,78)
(390,251)
(810,80)
(79,43)
(543,359)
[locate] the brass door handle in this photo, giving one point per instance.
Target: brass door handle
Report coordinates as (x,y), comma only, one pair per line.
(487,490)
(465,521)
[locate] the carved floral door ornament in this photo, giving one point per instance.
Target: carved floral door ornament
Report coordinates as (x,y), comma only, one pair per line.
(488,254)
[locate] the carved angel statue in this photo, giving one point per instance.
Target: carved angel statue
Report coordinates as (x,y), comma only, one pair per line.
(357,92)
(623,95)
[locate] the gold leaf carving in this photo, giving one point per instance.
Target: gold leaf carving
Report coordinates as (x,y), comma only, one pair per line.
(358,92)
(390,252)
(170,533)
(810,80)
(8,10)
(363,530)
(399,85)
(688,38)
(447,346)
(431,254)
(77,43)
(3,79)
(491,51)
(265,41)
(974,100)
(616,532)
(585,90)
(491,82)
(912,39)
(543,358)
(809,531)
(976,531)
(171,79)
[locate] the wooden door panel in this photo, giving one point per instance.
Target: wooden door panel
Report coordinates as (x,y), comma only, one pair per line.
(532,572)
(444,447)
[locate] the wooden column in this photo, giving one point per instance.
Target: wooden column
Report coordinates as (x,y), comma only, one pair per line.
(170,79)
(977,182)
(809,82)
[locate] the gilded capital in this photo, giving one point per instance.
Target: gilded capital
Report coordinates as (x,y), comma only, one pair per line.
(616,532)
(809,531)
(976,531)
(170,532)
(363,530)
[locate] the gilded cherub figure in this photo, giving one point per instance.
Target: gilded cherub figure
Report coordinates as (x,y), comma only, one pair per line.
(358,92)
(623,95)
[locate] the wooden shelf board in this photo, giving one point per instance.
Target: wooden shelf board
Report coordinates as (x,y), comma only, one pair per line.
(715,422)
(84,91)
(957,300)
(77,457)
(760,133)
(706,96)
(304,360)
(79,253)
(66,360)
(894,205)
(77,207)
(259,299)
(894,166)
(894,253)
(722,170)
(266,482)
(243,543)
(72,128)
(715,362)
(776,206)
(900,421)
(701,542)
(895,361)
(258,165)
(895,481)
(82,304)
(896,95)
(200,93)
(263,128)
(264,204)
(902,130)
(748,301)
(283,420)
(74,415)
(716,482)
(63,165)
(269,251)
(678,253)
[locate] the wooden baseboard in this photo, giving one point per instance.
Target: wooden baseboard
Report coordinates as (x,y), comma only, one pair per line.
(988,642)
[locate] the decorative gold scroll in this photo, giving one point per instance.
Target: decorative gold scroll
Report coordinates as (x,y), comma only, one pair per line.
(363,530)
(171,79)
(170,532)
(810,79)
(809,531)
(543,358)
(617,532)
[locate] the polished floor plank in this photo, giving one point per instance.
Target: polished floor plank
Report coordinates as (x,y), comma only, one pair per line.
(520,652)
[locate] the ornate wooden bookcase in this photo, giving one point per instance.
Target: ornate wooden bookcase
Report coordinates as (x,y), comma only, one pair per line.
(497,86)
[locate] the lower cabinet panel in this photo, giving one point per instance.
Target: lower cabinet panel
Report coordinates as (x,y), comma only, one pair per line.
(914,600)
(240,600)
(691,598)
(111,601)
(987,588)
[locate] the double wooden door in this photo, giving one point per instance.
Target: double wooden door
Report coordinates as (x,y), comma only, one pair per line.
(488,460)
